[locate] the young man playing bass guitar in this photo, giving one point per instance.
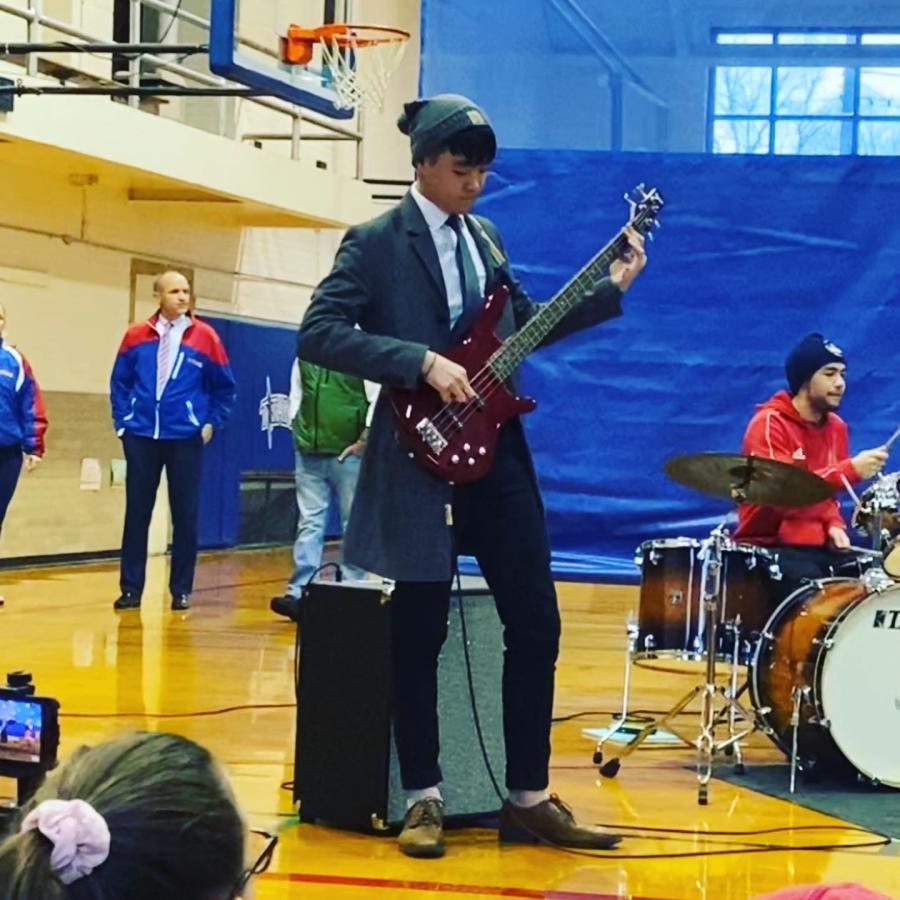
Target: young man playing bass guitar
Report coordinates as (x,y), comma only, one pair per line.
(413,280)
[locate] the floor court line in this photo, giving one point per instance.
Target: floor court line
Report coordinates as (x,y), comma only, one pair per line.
(440,887)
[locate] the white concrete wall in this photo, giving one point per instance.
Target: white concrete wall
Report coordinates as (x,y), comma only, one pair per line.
(67,249)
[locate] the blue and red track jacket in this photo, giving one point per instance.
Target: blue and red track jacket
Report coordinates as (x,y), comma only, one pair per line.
(200,388)
(22,417)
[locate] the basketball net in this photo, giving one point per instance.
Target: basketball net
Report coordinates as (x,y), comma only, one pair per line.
(358,60)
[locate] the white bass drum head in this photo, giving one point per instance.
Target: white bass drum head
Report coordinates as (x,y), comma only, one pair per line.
(860,686)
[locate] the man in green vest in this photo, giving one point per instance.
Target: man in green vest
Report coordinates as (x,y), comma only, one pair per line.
(329,418)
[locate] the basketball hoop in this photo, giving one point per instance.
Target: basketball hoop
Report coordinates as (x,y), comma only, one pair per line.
(358,59)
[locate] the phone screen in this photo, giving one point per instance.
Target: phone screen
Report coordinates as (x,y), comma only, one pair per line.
(21,723)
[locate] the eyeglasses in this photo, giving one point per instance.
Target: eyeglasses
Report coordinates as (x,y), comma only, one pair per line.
(262,861)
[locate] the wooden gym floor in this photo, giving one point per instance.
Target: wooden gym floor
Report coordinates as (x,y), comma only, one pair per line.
(222,675)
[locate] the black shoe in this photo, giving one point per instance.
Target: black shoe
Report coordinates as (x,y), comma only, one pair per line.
(128,601)
(181,601)
(287,606)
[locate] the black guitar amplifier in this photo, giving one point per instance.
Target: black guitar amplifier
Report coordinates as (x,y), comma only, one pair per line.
(346,771)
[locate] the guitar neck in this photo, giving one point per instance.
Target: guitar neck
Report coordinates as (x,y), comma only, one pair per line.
(515,348)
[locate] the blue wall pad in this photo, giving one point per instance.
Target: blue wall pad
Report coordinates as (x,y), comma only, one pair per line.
(754,253)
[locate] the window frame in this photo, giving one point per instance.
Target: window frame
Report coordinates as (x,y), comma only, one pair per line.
(771,56)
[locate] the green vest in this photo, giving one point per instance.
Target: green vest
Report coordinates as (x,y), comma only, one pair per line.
(332,412)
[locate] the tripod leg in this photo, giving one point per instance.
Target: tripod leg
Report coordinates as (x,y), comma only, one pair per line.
(705,742)
(631,629)
(612,766)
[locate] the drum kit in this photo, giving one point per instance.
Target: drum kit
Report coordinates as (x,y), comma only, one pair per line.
(822,666)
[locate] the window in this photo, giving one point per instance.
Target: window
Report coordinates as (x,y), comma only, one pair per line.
(806,109)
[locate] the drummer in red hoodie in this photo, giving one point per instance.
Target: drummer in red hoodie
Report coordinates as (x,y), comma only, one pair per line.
(803,428)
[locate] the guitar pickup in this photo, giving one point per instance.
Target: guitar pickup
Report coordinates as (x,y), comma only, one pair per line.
(429,433)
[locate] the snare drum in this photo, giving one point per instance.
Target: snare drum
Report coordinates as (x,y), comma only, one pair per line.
(879,508)
(671,618)
(838,642)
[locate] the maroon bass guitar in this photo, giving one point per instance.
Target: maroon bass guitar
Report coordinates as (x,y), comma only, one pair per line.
(456,441)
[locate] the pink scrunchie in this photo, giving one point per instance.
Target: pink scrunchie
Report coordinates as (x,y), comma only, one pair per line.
(79,834)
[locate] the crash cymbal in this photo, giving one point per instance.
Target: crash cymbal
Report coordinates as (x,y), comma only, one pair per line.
(748,479)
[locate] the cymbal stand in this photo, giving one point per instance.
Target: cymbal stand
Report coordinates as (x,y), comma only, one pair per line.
(707,745)
(733,693)
(711,590)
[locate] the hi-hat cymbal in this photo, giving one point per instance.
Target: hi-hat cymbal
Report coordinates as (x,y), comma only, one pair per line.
(748,479)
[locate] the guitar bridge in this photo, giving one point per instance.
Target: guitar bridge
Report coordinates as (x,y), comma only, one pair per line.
(429,433)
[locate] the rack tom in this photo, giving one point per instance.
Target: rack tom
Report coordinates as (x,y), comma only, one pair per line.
(671,617)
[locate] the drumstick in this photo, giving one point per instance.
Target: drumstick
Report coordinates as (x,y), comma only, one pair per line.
(850,490)
(891,439)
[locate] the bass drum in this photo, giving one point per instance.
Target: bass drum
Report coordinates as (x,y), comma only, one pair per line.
(837,642)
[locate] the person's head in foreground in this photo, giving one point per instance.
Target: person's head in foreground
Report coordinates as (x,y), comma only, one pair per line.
(142,816)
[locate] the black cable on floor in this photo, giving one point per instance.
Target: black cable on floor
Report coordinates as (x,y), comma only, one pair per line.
(881,841)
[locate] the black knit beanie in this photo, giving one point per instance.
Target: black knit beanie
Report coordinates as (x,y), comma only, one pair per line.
(813,352)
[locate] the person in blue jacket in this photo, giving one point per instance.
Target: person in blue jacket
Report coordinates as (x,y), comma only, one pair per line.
(23,421)
(171,389)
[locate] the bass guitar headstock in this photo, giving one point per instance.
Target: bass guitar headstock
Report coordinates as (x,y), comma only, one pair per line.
(644,208)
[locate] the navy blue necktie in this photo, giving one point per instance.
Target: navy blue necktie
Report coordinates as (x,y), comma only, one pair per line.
(468,277)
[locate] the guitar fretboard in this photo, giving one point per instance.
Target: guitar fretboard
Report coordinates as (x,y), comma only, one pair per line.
(514,349)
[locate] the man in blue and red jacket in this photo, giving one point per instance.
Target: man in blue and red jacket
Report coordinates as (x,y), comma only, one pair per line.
(22,419)
(171,388)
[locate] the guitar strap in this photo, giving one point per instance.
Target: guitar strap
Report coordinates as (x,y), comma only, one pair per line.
(497,254)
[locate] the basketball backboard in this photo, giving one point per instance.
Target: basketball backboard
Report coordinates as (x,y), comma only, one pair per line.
(244,47)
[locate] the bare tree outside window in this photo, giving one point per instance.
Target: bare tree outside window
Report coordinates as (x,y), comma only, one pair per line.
(806,110)
(742,91)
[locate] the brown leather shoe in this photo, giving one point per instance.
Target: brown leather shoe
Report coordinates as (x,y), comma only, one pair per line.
(551,822)
(423,829)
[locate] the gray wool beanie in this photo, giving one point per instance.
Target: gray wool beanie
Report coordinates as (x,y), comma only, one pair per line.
(432,121)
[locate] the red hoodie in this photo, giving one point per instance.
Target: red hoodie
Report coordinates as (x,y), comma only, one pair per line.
(778,431)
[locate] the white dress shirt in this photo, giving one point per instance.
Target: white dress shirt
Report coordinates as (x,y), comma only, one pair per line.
(179,326)
(444,238)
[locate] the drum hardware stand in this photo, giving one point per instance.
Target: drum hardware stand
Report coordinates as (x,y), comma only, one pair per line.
(620,719)
(799,695)
(732,695)
(880,536)
(705,742)
(711,588)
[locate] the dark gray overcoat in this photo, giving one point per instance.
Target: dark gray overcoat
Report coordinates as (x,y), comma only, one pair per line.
(387,280)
